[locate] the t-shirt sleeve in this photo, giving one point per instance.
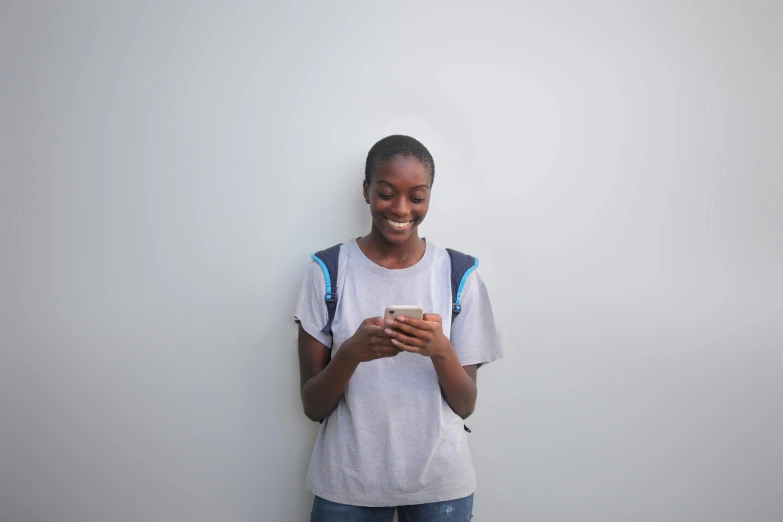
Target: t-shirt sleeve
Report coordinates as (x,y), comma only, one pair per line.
(310,306)
(473,333)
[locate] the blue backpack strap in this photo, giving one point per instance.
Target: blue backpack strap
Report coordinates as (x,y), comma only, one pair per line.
(462,265)
(328,259)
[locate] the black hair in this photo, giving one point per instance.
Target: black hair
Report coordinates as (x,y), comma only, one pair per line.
(398,145)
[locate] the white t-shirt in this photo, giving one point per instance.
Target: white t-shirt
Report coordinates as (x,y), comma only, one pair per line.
(393,440)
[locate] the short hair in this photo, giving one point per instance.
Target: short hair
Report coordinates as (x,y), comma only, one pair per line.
(398,145)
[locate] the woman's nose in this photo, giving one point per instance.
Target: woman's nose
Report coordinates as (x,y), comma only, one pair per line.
(401,207)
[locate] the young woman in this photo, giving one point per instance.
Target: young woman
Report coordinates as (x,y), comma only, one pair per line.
(392,395)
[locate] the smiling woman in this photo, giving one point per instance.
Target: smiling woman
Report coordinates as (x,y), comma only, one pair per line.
(399,198)
(398,177)
(392,395)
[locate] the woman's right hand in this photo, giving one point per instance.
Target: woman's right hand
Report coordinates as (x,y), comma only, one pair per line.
(369,342)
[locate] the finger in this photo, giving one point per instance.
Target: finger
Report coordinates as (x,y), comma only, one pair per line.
(382,343)
(409,329)
(388,351)
(377,331)
(433,318)
(405,339)
(416,323)
(373,321)
(406,347)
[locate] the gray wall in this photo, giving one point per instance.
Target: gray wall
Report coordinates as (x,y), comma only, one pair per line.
(167,169)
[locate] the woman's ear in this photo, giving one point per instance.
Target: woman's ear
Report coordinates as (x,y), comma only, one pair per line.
(366,191)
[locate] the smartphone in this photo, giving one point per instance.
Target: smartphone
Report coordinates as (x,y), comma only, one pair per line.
(416,312)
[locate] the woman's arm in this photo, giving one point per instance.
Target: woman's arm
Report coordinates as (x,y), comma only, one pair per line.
(457,382)
(322,381)
(425,336)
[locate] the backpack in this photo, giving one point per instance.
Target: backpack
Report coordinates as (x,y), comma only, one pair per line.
(462,265)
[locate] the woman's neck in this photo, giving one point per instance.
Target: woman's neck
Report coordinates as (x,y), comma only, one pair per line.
(392,255)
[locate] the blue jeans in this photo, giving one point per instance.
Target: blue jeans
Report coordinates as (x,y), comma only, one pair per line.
(460,510)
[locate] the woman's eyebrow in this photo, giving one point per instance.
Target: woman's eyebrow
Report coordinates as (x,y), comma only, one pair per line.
(395,188)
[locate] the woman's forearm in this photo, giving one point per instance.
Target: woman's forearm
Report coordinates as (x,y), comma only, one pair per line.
(458,387)
(322,393)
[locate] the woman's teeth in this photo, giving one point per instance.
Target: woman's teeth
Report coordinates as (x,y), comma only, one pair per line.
(397,224)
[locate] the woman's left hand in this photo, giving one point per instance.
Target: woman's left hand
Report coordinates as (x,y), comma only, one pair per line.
(423,336)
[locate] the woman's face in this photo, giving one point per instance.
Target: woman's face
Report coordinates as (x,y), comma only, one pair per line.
(399,197)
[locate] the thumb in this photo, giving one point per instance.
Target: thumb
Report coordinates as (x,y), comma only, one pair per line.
(373,321)
(434,318)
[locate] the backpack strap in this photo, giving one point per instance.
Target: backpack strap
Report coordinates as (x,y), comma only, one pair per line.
(328,259)
(462,265)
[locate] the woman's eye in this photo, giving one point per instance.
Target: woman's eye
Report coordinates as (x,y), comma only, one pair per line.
(386,196)
(417,200)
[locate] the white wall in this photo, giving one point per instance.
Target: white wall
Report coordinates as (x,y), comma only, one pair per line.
(167,170)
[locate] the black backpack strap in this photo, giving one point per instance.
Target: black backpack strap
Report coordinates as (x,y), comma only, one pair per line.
(328,259)
(462,265)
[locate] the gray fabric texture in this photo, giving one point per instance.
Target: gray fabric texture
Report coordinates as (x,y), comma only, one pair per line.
(393,440)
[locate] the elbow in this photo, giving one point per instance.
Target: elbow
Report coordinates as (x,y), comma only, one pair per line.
(312,416)
(311,413)
(467,412)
